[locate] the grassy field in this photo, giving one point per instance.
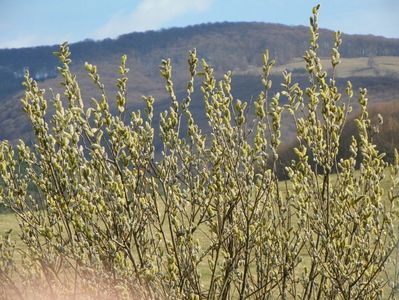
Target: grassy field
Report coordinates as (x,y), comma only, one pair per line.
(349,67)
(9,221)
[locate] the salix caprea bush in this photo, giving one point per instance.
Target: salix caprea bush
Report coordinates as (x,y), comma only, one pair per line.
(209,218)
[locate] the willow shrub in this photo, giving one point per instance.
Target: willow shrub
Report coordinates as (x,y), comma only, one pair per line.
(208,219)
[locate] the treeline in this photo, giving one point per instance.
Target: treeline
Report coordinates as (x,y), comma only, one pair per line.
(227,45)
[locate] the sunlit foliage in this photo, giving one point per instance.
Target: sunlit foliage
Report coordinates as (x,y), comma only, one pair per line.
(209,218)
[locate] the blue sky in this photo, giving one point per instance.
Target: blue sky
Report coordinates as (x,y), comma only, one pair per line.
(42,22)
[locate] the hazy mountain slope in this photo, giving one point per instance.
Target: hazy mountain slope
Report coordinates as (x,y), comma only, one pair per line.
(227,46)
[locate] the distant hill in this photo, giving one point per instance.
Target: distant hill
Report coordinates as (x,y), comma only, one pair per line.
(227,45)
(369,61)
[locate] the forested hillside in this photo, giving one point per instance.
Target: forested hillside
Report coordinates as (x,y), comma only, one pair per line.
(367,60)
(228,45)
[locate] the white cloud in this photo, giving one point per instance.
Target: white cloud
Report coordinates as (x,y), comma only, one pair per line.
(20,41)
(33,40)
(150,14)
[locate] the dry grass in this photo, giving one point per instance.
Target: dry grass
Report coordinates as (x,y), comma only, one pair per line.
(350,67)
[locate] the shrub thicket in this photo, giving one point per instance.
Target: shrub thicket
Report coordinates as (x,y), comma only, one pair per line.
(208,219)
